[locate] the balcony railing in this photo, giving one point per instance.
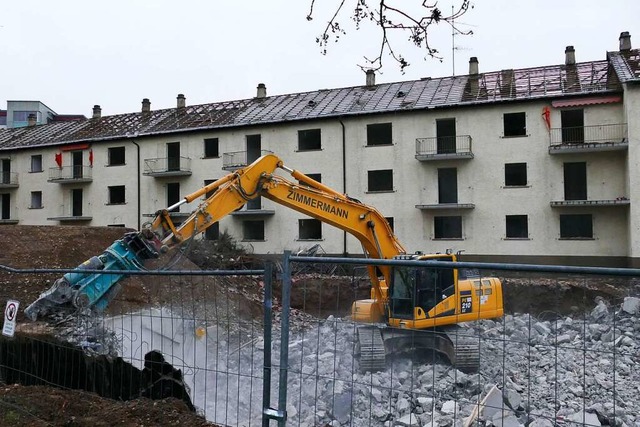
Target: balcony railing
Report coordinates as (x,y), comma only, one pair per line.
(620,201)
(444,147)
(589,138)
(69,213)
(167,166)
(8,179)
(71,174)
(238,159)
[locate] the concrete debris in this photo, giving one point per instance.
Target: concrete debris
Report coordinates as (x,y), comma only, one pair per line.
(520,382)
(631,305)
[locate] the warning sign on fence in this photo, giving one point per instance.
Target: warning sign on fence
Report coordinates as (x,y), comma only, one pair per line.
(10,314)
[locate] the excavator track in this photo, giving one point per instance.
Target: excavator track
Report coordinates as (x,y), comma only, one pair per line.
(374,344)
(371,349)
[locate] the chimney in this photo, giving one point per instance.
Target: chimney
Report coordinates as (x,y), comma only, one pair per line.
(473,65)
(262,91)
(181,101)
(97,112)
(31,120)
(625,41)
(371,78)
(569,56)
(146,105)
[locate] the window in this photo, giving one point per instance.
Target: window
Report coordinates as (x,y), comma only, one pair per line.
(116,195)
(515,124)
(517,227)
(572,122)
(515,174)
(36,163)
(212,232)
(22,117)
(446,136)
(448,185)
(379,134)
(253,230)
(575,181)
(447,227)
(173,195)
(309,229)
(211,148)
(5,206)
(577,226)
(116,156)
(36,200)
(309,139)
(380,180)
(390,221)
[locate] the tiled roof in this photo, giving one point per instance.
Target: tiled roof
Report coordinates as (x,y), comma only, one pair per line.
(626,64)
(499,86)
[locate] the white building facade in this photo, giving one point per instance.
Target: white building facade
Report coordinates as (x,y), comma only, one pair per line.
(539,164)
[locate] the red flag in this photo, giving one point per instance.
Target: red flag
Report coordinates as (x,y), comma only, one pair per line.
(91,157)
(546,114)
(59,160)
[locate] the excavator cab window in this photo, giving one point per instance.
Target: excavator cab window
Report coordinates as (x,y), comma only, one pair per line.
(402,292)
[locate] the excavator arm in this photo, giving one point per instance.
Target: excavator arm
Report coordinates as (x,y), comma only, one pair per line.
(87,290)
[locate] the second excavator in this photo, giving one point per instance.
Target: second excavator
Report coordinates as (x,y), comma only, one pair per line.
(409,307)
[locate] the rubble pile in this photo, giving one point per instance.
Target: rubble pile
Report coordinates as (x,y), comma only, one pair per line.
(536,371)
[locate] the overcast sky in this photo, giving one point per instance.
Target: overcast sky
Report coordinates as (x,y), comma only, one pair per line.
(72,54)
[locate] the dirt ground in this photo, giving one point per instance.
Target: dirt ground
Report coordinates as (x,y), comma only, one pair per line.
(66,247)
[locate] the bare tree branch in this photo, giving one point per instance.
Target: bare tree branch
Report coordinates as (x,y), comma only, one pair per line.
(386,18)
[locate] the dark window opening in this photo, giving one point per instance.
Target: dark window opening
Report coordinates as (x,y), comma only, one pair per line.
(254,151)
(448,185)
(515,124)
(515,174)
(36,200)
(5,171)
(212,232)
(173,195)
(447,227)
(253,230)
(211,148)
(209,193)
(575,181)
(517,226)
(390,222)
(314,176)
(76,162)
(446,136)
(173,156)
(116,195)
(76,202)
(576,226)
(380,180)
(116,156)
(572,122)
(309,139)
(309,229)
(36,163)
(379,134)
(5,211)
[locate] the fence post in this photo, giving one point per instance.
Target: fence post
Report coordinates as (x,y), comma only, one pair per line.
(284,339)
(266,377)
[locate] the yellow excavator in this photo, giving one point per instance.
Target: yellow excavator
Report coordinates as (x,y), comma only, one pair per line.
(409,307)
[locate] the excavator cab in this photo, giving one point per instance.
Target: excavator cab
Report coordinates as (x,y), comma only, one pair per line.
(415,291)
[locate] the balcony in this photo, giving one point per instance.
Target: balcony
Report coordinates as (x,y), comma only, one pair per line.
(71,174)
(167,166)
(8,179)
(71,214)
(443,206)
(584,139)
(244,212)
(238,159)
(444,148)
(620,201)
(7,221)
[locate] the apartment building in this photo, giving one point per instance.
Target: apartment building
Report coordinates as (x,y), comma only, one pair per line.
(537,164)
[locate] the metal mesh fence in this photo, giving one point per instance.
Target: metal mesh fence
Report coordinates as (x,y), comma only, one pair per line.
(565,352)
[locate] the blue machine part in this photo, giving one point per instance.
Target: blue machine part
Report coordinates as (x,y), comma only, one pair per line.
(80,289)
